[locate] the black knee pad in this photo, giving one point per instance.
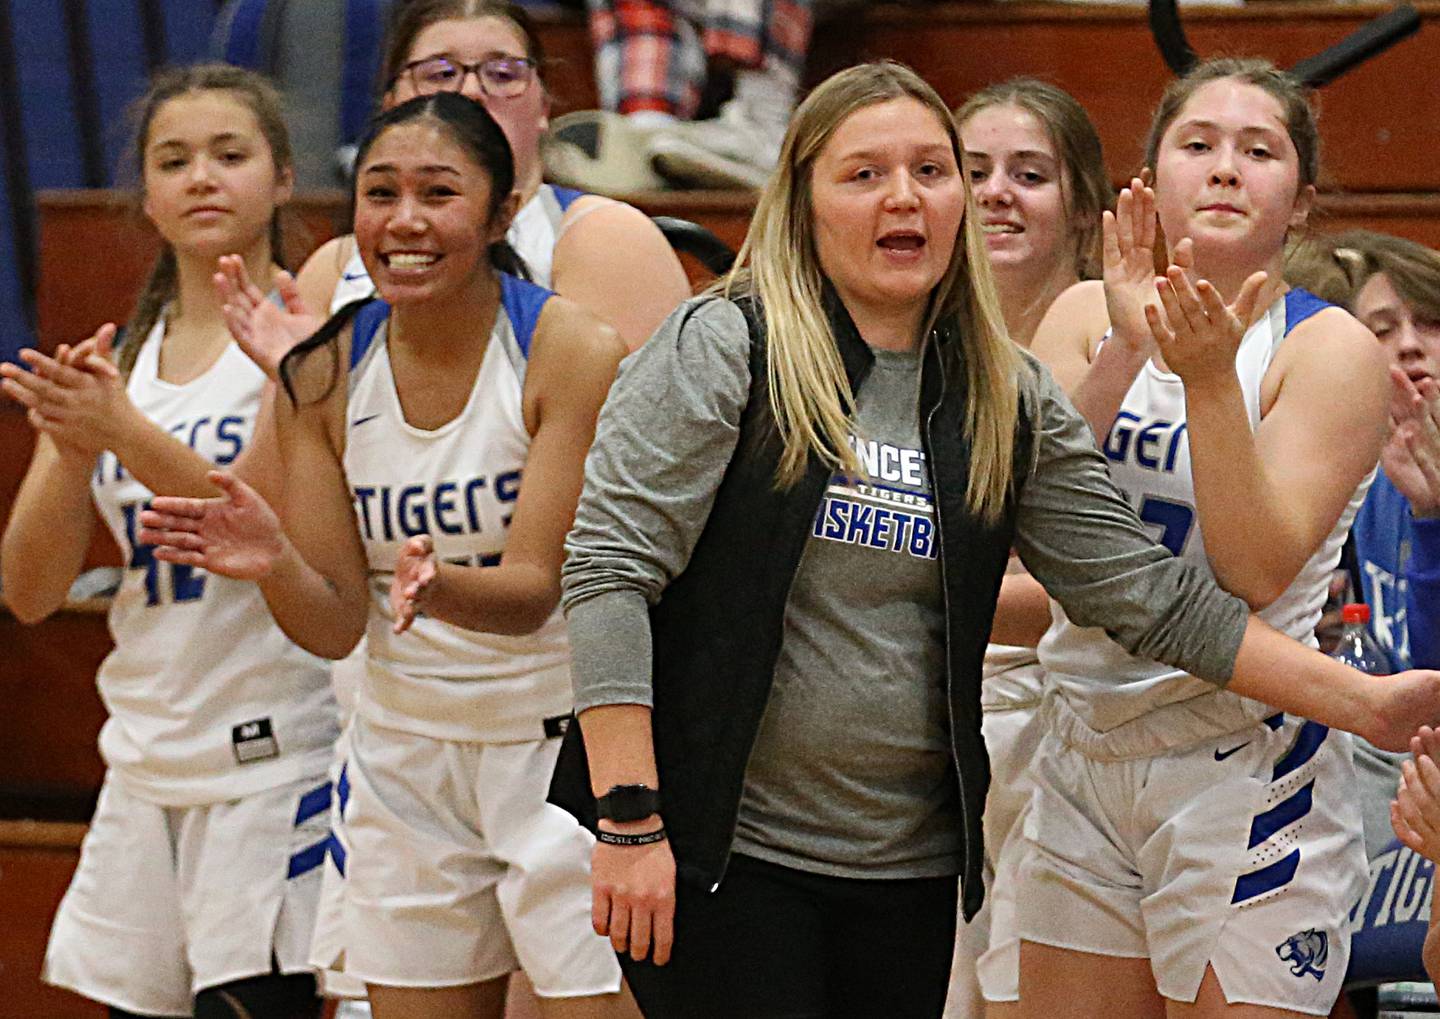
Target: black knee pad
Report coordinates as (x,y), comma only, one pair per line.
(119,1013)
(272,996)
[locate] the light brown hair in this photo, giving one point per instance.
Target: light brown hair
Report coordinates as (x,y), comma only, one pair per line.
(409,19)
(260,97)
(1085,185)
(1297,112)
(1412,269)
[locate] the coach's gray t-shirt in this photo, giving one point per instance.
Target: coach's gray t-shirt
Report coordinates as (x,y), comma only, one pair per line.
(850,773)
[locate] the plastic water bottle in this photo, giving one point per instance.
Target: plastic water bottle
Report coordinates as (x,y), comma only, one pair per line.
(1357,647)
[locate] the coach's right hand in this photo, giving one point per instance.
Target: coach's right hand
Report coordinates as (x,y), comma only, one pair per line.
(633,901)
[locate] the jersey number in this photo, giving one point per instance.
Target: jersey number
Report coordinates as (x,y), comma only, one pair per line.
(1174,519)
(185,585)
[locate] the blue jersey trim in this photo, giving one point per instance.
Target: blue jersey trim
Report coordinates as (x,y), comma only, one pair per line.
(1266,879)
(1307,743)
(1282,815)
(336,850)
(1300,304)
(308,858)
(316,801)
(523,301)
(368,321)
(565,197)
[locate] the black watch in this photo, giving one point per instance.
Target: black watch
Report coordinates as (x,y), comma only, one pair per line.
(628,803)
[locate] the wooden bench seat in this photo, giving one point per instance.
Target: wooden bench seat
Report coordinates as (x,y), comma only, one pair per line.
(49,764)
(36,861)
(75,298)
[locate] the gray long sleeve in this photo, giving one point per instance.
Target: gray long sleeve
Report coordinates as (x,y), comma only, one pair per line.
(663,441)
(1078,536)
(668,431)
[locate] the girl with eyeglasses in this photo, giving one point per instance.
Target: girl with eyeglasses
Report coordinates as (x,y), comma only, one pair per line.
(433,442)
(604,255)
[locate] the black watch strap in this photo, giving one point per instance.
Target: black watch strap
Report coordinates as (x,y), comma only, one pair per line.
(625,803)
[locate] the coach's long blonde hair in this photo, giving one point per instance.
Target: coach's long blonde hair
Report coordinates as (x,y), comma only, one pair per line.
(809,394)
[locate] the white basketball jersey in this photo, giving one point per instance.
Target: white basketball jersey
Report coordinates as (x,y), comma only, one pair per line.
(1114,704)
(458,484)
(533,235)
(208,699)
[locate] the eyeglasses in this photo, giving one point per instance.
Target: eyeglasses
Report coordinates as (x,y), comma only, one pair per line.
(499,77)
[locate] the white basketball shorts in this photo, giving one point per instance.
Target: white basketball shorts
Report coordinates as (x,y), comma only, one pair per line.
(1243,853)
(327,950)
(458,871)
(167,901)
(1013,739)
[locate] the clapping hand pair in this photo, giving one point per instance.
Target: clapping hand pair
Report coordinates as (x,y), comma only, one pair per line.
(75,396)
(1187,321)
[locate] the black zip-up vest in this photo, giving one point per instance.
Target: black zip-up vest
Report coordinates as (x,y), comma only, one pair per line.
(717,628)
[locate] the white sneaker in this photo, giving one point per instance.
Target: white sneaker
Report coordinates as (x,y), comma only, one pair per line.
(731,151)
(601,152)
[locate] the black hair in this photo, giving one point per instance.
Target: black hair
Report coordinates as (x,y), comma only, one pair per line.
(470,125)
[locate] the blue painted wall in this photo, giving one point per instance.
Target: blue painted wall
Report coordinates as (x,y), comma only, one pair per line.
(53,95)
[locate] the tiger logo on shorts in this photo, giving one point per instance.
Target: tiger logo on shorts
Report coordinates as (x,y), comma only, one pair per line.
(1306,952)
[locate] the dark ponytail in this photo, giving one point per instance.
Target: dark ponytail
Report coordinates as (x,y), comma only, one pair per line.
(507,260)
(160,290)
(325,338)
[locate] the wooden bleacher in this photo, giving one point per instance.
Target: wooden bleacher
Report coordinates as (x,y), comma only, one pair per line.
(1378,122)
(49,774)
(1380,129)
(1376,138)
(74,299)
(36,861)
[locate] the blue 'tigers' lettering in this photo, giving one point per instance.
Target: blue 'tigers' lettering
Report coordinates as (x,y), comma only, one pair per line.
(394,513)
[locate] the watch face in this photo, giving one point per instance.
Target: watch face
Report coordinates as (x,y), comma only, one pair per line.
(628,803)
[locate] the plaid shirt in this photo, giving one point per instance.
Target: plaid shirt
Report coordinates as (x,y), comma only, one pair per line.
(653,54)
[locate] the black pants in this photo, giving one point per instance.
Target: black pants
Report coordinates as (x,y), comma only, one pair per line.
(783,944)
